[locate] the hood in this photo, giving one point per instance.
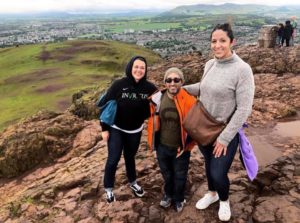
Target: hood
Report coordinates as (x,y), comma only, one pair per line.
(130,64)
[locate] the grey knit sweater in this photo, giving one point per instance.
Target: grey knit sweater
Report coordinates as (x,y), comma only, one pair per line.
(227,87)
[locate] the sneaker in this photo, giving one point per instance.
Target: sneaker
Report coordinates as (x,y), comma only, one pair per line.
(137,190)
(110,197)
(207,200)
(179,205)
(224,211)
(165,201)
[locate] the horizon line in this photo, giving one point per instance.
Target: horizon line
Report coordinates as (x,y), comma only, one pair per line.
(128,10)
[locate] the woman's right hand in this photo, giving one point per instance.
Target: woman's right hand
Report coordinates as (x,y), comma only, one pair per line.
(219,149)
(105,135)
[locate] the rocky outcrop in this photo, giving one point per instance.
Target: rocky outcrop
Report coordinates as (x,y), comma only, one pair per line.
(280,61)
(192,66)
(275,98)
(57,160)
(41,139)
(84,101)
(83,104)
(279,193)
(272,60)
(72,191)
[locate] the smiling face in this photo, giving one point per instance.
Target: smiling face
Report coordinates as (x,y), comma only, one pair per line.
(138,70)
(221,44)
(173,83)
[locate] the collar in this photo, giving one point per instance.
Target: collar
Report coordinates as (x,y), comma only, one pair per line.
(227,60)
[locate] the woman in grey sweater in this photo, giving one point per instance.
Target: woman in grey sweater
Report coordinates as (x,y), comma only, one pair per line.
(226,91)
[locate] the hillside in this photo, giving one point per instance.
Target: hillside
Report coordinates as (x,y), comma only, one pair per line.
(44,76)
(229,8)
(51,165)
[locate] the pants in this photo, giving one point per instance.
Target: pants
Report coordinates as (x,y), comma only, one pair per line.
(287,41)
(278,40)
(174,171)
(217,168)
(120,141)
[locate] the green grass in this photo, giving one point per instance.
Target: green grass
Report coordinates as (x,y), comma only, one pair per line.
(29,84)
(139,25)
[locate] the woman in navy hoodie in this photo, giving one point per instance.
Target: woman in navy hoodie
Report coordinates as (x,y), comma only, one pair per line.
(131,93)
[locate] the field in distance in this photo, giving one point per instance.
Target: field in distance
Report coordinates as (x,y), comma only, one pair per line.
(44,76)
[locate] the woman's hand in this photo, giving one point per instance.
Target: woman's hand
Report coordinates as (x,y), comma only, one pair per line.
(219,149)
(105,136)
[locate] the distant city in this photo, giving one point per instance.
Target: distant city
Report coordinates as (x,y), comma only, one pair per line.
(179,31)
(166,42)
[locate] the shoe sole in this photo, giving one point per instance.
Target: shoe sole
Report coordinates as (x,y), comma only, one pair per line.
(165,206)
(224,219)
(180,210)
(111,201)
(138,195)
(202,208)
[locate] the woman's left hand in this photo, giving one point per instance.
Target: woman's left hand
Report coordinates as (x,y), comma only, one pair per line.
(219,149)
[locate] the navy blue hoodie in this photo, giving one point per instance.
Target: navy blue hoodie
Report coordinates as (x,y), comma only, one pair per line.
(132,99)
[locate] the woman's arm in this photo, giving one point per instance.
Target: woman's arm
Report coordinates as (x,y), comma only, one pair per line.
(193,89)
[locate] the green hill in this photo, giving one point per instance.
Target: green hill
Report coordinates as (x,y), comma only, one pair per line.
(44,76)
(230,8)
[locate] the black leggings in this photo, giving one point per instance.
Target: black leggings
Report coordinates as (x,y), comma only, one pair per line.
(120,141)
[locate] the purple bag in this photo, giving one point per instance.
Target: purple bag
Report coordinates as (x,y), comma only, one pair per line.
(248,157)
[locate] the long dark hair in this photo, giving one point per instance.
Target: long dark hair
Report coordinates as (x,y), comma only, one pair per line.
(226,27)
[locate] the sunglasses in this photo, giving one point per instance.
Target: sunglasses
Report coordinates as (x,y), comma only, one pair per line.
(176,80)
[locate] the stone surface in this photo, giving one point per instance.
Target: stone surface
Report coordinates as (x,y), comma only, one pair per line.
(57,160)
(40,139)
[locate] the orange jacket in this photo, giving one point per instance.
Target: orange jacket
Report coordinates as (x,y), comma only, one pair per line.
(183,102)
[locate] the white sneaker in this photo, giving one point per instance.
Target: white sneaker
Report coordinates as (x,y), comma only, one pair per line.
(207,200)
(110,197)
(224,211)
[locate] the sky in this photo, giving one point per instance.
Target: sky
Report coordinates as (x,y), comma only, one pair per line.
(30,6)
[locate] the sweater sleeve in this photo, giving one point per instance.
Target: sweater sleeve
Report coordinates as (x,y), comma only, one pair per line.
(244,101)
(193,89)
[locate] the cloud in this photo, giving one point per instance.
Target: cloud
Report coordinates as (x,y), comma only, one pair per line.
(16,6)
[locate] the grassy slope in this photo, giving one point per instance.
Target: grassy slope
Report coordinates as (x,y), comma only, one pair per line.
(141,25)
(29,84)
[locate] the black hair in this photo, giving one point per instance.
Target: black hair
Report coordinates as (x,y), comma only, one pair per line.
(130,64)
(287,22)
(226,27)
